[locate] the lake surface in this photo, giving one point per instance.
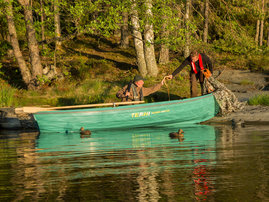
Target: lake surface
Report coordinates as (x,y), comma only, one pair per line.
(218,163)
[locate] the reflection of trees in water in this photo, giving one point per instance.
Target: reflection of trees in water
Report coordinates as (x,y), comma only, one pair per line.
(25,171)
(29,178)
(242,155)
(148,186)
(156,174)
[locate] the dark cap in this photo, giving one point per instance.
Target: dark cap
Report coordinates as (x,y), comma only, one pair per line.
(138,78)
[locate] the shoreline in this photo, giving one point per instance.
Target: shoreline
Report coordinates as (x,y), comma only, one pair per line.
(257,84)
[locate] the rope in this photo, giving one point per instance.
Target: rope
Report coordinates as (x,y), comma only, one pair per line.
(167,78)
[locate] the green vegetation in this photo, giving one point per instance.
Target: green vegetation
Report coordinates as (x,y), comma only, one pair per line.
(7,95)
(259,100)
(246,82)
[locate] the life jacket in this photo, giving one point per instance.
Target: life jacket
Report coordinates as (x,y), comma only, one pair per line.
(136,96)
(200,64)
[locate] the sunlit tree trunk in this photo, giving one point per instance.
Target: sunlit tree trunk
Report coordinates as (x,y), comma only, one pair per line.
(206,21)
(164,51)
(124,31)
(149,41)
(187,21)
(262,24)
(25,72)
(32,42)
(138,41)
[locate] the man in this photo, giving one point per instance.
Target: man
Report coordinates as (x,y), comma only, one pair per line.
(135,91)
(198,62)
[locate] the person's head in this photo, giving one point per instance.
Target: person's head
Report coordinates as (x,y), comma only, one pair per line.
(139,80)
(194,56)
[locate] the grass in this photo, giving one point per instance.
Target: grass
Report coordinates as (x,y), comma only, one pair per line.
(259,63)
(7,96)
(259,100)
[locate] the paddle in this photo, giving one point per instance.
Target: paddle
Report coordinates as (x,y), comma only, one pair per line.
(39,109)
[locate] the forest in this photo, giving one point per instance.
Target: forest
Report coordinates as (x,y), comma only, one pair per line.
(65,52)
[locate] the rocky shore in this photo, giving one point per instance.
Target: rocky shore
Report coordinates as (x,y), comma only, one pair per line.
(244,84)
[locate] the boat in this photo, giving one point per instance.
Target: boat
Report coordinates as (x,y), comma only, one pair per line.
(186,111)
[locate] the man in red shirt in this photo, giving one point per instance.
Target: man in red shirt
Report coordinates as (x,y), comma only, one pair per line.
(198,62)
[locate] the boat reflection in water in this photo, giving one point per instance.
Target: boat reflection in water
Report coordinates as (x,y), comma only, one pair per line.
(148,159)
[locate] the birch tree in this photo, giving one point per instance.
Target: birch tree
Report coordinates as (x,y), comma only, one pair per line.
(187,22)
(138,40)
(32,42)
(206,21)
(149,41)
(57,23)
(25,72)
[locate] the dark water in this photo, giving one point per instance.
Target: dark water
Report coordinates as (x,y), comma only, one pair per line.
(210,163)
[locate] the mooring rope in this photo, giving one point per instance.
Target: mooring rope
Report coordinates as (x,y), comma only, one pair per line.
(167,78)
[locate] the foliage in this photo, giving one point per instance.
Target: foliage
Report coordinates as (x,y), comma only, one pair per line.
(232,29)
(4,46)
(259,100)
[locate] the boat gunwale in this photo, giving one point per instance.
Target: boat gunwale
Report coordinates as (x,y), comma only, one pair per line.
(140,106)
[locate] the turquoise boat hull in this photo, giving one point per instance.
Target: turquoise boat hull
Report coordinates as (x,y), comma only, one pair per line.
(187,111)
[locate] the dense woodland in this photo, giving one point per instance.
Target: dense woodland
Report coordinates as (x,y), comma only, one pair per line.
(34,32)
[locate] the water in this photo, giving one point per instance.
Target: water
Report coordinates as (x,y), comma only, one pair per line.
(211,163)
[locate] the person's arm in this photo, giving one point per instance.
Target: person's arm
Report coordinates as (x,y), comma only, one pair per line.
(184,63)
(153,89)
(208,62)
(122,92)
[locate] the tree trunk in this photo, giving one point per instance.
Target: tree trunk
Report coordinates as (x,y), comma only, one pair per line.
(164,52)
(32,42)
(267,37)
(206,21)
(42,23)
(187,21)
(25,72)
(257,32)
(261,32)
(179,15)
(149,41)
(124,31)
(138,41)
(262,24)
(57,23)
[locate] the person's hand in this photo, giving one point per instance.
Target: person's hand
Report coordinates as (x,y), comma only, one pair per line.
(162,82)
(169,77)
(127,94)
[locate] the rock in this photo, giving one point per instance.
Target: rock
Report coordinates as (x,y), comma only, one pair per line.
(10,120)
